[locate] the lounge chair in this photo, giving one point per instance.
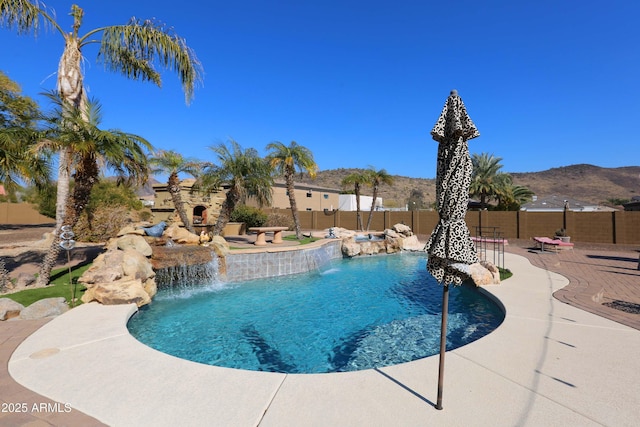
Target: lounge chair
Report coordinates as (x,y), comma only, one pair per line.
(555,244)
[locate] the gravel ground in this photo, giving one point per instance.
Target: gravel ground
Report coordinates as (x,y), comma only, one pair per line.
(11,234)
(22,248)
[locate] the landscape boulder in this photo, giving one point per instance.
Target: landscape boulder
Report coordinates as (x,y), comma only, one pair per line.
(484,273)
(123,274)
(396,239)
(181,235)
(48,307)
(120,292)
(135,242)
(9,309)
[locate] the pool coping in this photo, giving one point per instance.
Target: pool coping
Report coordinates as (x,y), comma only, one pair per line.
(547,363)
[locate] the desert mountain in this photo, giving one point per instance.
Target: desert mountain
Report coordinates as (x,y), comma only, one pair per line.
(583,182)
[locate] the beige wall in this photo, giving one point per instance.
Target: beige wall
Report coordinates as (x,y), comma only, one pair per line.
(308,198)
(22,213)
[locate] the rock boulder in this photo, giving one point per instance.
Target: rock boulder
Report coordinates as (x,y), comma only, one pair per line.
(9,308)
(181,235)
(135,242)
(47,307)
(120,292)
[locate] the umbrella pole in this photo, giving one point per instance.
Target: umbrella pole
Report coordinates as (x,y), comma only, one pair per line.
(443,343)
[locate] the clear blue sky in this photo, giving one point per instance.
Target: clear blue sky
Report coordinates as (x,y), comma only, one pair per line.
(547,83)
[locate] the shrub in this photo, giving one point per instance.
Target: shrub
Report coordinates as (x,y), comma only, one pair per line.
(252,217)
(280,220)
(102,224)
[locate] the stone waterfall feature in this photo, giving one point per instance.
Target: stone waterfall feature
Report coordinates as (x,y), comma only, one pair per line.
(127,271)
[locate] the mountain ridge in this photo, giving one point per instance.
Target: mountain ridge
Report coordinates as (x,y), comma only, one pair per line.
(584,182)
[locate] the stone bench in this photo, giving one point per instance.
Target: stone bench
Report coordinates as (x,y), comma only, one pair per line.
(261,234)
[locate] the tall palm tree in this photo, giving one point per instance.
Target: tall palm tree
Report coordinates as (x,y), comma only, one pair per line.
(486,180)
(286,160)
(376,179)
(129,49)
(243,172)
(357,179)
(91,149)
(174,164)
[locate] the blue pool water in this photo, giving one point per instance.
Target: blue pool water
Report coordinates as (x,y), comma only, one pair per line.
(355,314)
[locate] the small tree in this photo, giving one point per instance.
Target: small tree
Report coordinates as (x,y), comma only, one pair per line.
(375,180)
(173,163)
(357,179)
(285,160)
(243,172)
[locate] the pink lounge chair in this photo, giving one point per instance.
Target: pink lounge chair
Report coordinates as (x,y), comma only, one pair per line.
(554,243)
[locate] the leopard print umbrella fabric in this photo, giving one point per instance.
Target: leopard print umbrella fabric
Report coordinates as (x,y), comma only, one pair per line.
(450,242)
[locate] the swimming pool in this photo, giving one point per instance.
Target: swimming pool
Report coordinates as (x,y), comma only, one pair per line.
(354,314)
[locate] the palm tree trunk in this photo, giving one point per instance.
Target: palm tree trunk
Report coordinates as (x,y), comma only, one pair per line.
(71,90)
(292,201)
(85,178)
(358,219)
(373,205)
(176,197)
(62,190)
(226,209)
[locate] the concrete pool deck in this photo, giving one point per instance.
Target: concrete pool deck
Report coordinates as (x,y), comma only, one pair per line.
(548,364)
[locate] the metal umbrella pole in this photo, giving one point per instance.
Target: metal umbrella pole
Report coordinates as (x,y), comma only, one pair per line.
(443,344)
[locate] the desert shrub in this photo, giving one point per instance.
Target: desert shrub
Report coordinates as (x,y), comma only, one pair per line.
(103,223)
(280,220)
(108,193)
(111,207)
(44,197)
(251,216)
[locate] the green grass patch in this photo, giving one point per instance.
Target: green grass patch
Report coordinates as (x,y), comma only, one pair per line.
(59,287)
(504,273)
(305,240)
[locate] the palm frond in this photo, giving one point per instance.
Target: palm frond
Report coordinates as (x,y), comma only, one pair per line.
(133,48)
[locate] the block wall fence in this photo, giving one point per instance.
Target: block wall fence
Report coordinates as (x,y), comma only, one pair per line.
(620,227)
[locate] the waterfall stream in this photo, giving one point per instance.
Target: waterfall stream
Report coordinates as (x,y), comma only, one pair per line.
(186,276)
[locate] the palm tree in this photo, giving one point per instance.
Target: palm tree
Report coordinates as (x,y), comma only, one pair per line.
(174,164)
(486,181)
(357,179)
(130,49)
(243,172)
(18,116)
(18,162)
(514,196)
(285,160)
(91,149)
(376,178)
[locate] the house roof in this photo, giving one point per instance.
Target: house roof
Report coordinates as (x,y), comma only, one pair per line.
(556,203)
(306,186)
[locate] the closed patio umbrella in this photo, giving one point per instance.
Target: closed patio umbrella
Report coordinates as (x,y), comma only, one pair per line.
(450,248)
